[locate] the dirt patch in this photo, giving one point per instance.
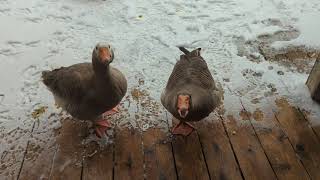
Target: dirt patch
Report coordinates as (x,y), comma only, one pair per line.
(245,115)
(137,94)
(298,59)
(258,115)
(140,109)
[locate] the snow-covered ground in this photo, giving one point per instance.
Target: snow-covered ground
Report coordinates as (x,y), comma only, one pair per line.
(36,35)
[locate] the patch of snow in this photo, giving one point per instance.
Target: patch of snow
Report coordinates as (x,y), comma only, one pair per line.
(308,25)
(45,34)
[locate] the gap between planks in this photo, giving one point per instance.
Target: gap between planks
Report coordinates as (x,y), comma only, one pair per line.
(26,151)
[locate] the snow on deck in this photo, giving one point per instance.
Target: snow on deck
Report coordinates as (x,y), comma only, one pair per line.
(235,35)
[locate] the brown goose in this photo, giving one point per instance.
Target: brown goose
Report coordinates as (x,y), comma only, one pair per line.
(191,93)
(87,90)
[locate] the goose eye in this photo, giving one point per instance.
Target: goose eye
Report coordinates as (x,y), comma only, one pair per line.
(109,46)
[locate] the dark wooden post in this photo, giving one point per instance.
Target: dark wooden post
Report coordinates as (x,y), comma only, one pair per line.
(313,81)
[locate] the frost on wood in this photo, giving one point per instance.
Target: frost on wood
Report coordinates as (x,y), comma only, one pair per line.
(313,81)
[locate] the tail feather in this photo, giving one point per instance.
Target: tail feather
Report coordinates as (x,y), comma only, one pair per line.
(184,50)
(47,78)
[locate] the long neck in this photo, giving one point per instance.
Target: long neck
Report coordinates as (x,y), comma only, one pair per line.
(101,71)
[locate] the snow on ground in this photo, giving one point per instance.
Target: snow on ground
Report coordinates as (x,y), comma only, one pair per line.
(308,25)
(37,35)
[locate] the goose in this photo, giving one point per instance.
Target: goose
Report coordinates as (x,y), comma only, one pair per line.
(190,93)
(89,91)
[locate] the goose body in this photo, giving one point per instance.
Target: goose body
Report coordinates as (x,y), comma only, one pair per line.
(191,78)
(87,90)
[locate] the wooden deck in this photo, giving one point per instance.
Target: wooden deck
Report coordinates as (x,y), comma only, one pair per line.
(274,141)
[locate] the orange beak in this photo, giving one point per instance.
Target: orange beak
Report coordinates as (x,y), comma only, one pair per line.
(183,105)
(105,54)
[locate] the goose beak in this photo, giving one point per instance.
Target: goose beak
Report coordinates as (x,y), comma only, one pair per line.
(105,54)
(183,112)
(183,105)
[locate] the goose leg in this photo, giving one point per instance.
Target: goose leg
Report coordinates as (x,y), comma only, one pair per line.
(112,111)
(101,127)
(183,128)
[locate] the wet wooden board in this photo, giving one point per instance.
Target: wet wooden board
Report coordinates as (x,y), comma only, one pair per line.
(40,152)
(301,136)
(253,162)
(157,148)
(217,149)
(13,150)
(128,155)
(281,145)
(252,159)
(98,163)
(190,162)
(313,122)
(310,118)
(316,129)
(67,161)
(275,143)
(158,157)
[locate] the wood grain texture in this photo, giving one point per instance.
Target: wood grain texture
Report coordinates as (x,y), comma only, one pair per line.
(128,155)
(67,161)
(190,162)
(300,134)
(251,156)
(217,149)
(99,166)
(274,141)
(158,157)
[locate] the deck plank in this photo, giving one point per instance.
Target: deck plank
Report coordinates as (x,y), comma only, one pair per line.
(157,148)
(311,117)
(217,149)
(12,152)
(313,120)
(99,166)
(67,161)
(274,141)
(40,151)
(300,134)
(128,154)
(253,161)
(98,162)
(158,157)
(190,162)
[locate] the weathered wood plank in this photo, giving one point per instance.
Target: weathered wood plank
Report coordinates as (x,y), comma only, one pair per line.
(67,161)
(274,141)
(158,157)
(311,117)
(41,150)
(190,162)
(217,149)
(157,148)
(12,152)
(253,161)
(313,120)
(98,165)
(313,81)
(128,155)
(301,136)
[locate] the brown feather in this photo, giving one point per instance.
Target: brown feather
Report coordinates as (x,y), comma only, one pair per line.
(191,76)
(84,92)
